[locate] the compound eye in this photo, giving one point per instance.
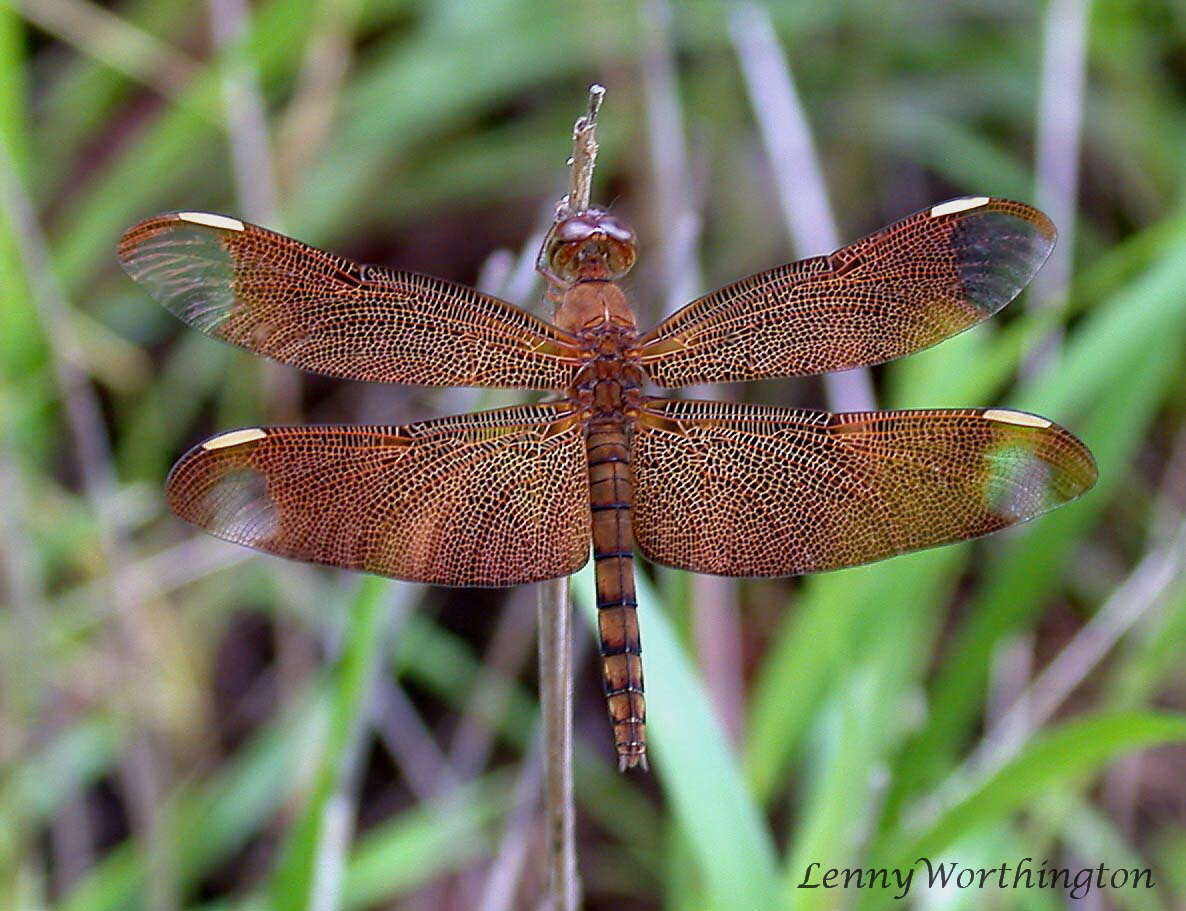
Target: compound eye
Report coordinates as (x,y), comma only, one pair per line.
(571,229)
(616,229)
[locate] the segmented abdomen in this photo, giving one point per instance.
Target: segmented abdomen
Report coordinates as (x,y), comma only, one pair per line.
(611,494)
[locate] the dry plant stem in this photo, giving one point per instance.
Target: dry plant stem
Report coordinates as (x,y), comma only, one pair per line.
(410,744)
(670,177)
(1012,670)
(255,182)
(255,178)
(555,613)
(555,688)
(584,157)
(1059,129)
(798,175)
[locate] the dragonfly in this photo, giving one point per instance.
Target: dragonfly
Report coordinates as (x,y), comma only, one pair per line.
(523,494)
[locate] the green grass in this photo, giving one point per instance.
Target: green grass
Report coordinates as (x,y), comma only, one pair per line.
(213,717)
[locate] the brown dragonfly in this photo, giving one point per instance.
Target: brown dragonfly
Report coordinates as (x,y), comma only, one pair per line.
(516,495)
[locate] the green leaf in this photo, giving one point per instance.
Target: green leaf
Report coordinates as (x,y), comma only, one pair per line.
(415,847)
(311,858)
(1060,757)
(696,767)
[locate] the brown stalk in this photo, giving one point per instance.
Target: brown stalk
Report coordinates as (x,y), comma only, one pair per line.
(555,613)
(798,174)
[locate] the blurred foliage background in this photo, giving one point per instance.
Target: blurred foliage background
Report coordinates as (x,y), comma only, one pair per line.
(189,725)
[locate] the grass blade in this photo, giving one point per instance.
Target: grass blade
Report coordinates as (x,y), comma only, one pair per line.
(696,768)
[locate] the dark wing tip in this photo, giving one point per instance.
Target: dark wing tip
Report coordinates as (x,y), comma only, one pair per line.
(998,246)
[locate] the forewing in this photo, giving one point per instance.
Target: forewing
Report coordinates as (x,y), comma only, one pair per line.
(741,490)
(493,498)
(899,290)
(301,306)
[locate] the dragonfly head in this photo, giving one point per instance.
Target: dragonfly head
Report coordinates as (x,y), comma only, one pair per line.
(589,246)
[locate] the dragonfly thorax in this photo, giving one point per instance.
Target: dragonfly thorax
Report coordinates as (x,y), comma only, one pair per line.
(598,314)
(589,307)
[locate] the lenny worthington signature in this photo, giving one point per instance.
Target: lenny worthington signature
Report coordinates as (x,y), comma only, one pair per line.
(1022,874)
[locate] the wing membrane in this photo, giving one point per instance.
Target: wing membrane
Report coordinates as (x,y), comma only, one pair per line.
(742,490)
(301,306)
(493,498)
(899,290)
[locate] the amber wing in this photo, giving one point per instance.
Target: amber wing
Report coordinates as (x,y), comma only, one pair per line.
(743,490)
(301,306)
(487,499)
(899,290)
